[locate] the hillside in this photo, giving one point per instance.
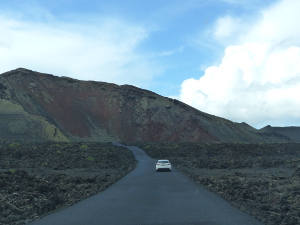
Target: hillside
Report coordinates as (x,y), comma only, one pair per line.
(292,132)
(45,107)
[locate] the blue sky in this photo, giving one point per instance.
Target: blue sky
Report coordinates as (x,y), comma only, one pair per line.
(235,59)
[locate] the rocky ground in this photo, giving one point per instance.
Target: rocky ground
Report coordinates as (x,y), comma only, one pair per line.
(40,178)
(262,180)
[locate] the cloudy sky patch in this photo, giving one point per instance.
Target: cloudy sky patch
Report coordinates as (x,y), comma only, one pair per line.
(234,59)
(258,78)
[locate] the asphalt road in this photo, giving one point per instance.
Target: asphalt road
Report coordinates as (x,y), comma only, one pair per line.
(147,197)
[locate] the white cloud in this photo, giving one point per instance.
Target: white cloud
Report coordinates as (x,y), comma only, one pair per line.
(258,80)
(171,52)
(101,49)
(225,27)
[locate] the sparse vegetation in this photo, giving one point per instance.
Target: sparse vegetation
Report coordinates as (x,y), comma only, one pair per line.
(14,145)
(90,158)
(45,164)
(84,146)
(12,171)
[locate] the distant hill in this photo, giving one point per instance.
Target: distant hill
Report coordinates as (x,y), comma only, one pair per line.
(293,133)
(38,106)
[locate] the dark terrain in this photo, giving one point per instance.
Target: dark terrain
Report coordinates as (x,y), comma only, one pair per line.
(262,180)
(39,178)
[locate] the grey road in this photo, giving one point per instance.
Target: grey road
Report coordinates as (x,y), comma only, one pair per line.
(146,197)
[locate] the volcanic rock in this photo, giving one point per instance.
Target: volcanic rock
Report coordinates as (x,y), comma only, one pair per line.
(44,107)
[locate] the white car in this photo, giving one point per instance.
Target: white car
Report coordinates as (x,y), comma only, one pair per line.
(163,164)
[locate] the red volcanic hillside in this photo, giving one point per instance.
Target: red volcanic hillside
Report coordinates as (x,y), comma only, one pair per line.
(40,106)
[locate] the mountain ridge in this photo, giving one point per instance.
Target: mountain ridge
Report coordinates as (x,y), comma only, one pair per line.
(75,110)
(293,132)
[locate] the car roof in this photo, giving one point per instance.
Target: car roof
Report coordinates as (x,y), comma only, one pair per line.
(163,160)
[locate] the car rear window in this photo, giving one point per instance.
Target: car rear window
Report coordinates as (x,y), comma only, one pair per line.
(163,161)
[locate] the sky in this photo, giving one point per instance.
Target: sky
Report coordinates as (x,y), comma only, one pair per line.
(235,59)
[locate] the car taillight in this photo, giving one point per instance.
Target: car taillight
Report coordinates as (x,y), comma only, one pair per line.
(169,164)
(157,164)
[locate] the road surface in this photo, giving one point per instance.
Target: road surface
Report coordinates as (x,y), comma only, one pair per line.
(147,197)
